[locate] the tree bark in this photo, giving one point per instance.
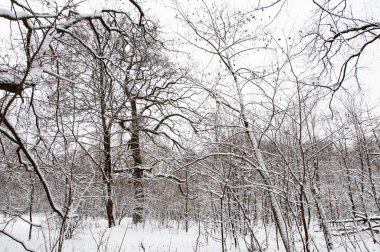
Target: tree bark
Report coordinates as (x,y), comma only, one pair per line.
(107,175)
(137,174)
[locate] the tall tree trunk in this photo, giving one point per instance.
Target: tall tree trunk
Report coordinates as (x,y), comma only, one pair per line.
(107,175)
(263,171)
(187,202)
(137,174)
(108,178)
(31,205)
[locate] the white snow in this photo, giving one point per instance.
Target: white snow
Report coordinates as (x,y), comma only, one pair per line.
(93,235)
(15,15)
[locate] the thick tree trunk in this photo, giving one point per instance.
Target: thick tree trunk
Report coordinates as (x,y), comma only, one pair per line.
(137,171)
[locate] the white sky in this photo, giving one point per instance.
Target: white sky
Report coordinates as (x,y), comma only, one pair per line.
(294,15)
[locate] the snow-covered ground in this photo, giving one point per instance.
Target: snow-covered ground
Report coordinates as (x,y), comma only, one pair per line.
(93,235)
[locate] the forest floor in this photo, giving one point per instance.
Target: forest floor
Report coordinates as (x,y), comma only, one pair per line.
(93,235)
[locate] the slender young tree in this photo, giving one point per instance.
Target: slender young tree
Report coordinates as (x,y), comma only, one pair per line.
(220,36)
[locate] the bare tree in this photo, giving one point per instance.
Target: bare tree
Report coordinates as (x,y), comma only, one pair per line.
(221,36)
(341,34)
(44,37)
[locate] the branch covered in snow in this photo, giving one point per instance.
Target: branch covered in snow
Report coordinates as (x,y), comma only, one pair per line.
(52,27)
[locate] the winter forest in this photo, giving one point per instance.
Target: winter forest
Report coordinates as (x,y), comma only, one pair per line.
(189,125)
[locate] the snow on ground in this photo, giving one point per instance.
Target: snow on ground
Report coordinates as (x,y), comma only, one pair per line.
(93,235)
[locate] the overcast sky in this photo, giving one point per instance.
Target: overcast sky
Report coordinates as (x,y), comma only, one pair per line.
(292,18)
